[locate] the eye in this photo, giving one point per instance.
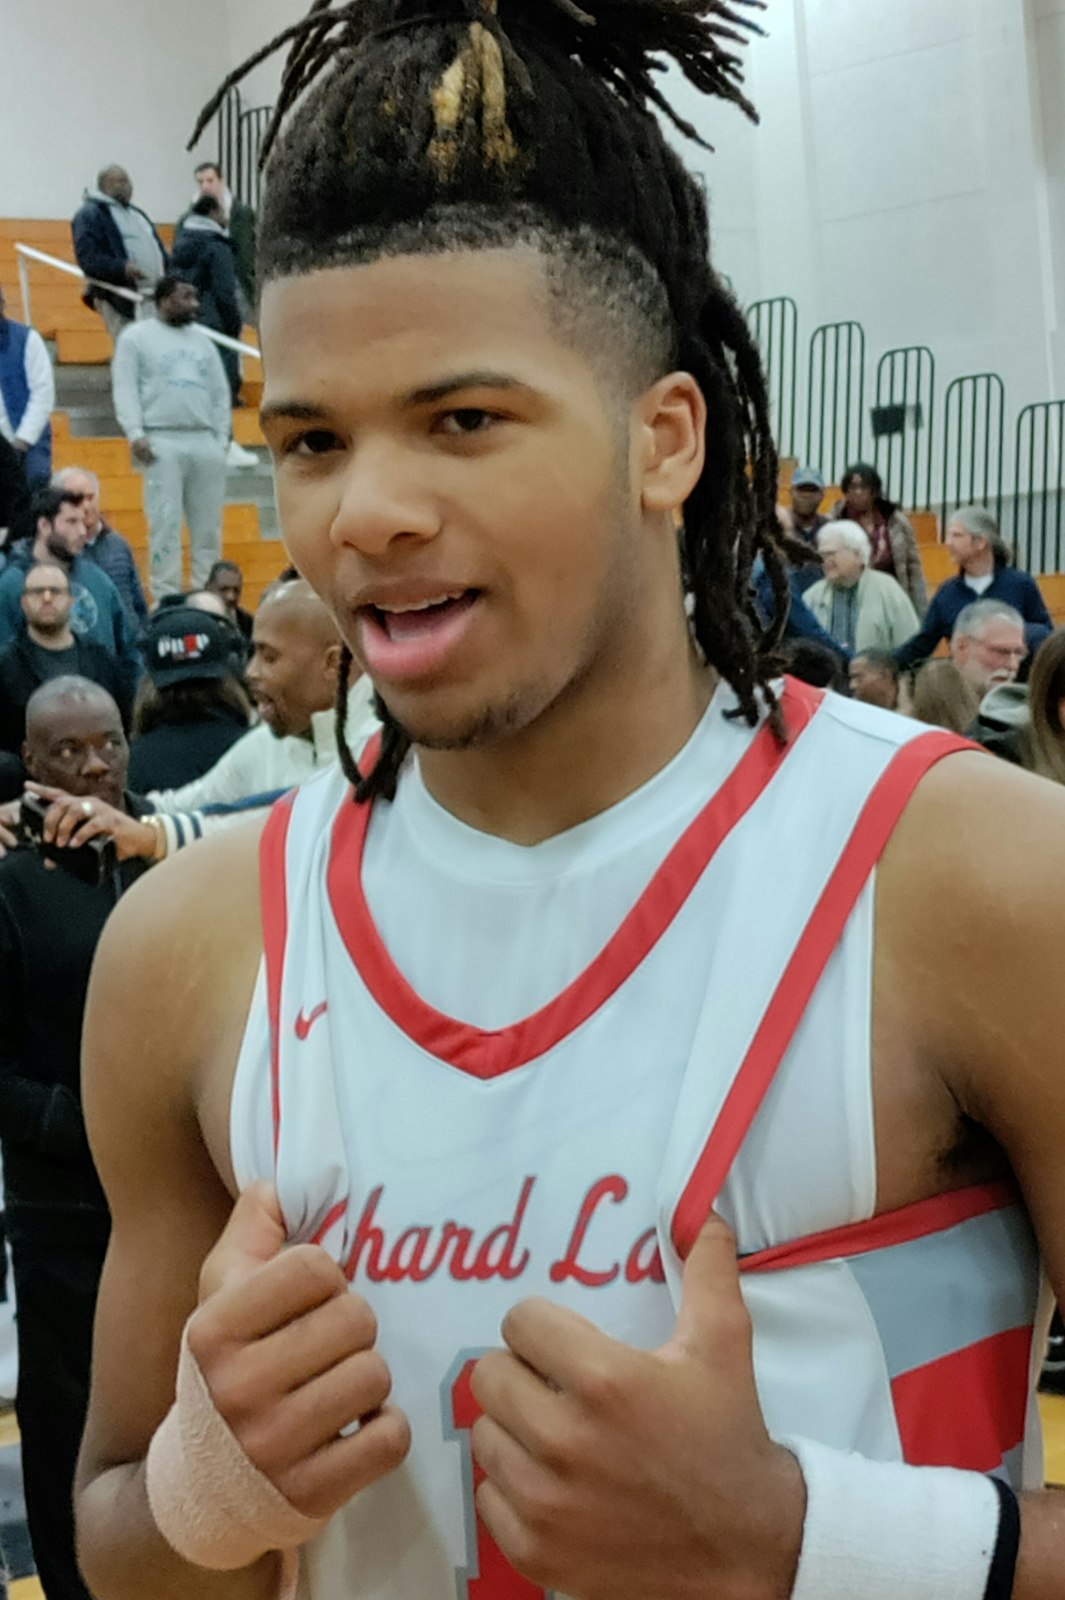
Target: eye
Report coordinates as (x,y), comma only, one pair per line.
(316,442)
(468,420)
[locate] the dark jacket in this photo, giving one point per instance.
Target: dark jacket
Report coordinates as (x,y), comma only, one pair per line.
(175,753)
(15,502)
(101,254)
(801,624)
(204,256)
(24,667)
(50,925)
(242,231)
(1014,588)
(113,555)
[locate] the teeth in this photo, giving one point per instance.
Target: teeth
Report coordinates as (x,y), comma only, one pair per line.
(421,605)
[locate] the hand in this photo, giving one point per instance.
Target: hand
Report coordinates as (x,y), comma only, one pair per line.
(143,452)
(613,1473)
(288,1354)
(8,827)
(70,826)
(20,446)
(134,273)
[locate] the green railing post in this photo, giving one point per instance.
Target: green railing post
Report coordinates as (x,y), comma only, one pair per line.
(835,397)
(906,377)
(974,445)
(1045,421)
(774,325)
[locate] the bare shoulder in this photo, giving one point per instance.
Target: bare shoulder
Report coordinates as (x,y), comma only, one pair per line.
(174,975)
(971,911)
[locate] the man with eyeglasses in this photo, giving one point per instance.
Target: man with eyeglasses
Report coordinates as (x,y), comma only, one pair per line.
(988,646)
(49,648)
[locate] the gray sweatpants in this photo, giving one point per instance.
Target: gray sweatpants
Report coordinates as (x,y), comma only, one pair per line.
(186,480)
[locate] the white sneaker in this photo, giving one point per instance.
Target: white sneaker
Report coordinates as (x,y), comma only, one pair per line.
(239,457)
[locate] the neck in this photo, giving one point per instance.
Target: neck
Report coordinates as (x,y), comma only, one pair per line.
(597,744)
(64,640)
(42,553)
(978,566)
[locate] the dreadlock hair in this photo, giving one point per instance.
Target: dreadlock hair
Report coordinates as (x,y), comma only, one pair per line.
(470,124)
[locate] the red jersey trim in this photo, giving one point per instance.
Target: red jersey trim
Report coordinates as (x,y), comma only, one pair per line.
(802,974)
(969,1409)
(488,1054)
(903,1226)
(273,889)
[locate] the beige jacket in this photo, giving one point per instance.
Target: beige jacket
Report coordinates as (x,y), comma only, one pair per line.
(886,616)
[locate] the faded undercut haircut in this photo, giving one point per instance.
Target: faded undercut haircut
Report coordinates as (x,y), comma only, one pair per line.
(406,127)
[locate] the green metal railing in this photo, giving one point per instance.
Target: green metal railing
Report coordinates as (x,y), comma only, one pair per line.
(974,430)
(775,328)
(1039,504)
(905,402)
(835,397)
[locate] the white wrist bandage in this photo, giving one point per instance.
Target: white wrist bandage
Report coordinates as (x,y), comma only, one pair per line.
(211,1504)
(882,1530)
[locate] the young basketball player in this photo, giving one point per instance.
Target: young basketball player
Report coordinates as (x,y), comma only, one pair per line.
(598,1148)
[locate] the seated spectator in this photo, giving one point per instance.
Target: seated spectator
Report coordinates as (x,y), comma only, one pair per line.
(27,396)
(116,243)
(191,706)
(105,545)
(1045,752)
(984,573)
(874,679)
(943,698)
(49,648)
(803,519)
(988,644)
(801,623)
(892,542)
(57,1218)
(861,609)
(814,663)
(98,612)
(204,256)
(226,580)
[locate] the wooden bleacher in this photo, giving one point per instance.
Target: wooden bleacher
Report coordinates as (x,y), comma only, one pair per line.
(81,340)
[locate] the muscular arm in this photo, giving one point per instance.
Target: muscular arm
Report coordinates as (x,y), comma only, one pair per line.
(976,876)
(153,1006)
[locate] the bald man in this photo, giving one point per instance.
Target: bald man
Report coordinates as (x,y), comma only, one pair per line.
(293,678)
(116,243)
(57,1220)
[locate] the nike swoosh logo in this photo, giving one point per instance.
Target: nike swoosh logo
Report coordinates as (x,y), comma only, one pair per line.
(304,1024)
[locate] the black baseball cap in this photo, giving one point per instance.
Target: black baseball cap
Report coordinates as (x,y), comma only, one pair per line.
(183,643)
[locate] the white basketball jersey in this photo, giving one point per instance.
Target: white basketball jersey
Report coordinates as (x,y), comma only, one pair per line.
(715,1051)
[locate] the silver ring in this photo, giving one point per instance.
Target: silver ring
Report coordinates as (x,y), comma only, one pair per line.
(87,807)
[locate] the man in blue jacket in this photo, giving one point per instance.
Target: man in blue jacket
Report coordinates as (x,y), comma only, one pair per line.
(116,242)
(984,573)
(98,612)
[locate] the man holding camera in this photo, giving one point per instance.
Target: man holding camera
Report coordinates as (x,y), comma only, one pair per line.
(51,919)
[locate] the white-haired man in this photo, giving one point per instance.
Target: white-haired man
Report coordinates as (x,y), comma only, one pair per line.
(988,644)
(861,609)
(105,545)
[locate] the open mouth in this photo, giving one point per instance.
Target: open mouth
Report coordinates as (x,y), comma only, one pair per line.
(414,640)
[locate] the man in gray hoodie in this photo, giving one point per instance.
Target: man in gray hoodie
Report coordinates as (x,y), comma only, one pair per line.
(116,242)
(172,400)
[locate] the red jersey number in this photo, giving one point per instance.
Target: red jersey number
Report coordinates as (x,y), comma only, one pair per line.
(496,1579)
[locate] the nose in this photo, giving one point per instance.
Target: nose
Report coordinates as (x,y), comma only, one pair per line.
(381,504)
(94,765)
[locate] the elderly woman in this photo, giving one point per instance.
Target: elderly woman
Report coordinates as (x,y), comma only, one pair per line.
(860,608)
(893,543)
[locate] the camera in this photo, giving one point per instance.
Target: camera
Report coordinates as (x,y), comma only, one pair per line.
(92,863)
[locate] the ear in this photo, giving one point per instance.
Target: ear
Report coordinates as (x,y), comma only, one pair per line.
(671,422)
(332,661)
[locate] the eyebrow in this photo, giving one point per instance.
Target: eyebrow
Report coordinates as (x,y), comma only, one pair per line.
(428,394)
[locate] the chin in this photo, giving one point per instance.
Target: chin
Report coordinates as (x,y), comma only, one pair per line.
(473,728)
